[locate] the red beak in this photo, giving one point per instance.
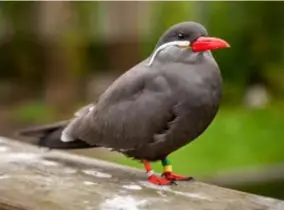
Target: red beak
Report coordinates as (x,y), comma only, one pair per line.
(208,43)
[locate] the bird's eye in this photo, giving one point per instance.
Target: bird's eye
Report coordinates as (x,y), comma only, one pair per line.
(181,36)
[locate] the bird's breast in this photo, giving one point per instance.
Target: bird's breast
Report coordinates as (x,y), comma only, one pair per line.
(198,90)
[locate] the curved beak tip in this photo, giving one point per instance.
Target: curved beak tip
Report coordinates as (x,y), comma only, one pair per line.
(226,45)
(222,44)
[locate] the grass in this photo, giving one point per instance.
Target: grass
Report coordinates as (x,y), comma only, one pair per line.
(237,137)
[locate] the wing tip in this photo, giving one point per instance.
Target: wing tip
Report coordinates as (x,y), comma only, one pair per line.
(65,137)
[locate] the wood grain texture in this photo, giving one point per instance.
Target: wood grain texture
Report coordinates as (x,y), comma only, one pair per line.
(32,179)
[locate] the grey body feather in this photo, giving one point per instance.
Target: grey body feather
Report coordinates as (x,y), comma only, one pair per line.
(151,110)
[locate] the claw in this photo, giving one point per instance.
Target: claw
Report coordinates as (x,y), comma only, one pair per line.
(174,177)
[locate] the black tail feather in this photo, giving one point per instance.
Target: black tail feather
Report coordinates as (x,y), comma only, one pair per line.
(43,130)
(53,141)
(49,136)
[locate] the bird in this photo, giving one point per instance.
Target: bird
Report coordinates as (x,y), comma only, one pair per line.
(153,109)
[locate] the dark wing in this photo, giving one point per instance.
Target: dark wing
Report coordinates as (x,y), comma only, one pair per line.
(43,130)
(50,135)
(133,109)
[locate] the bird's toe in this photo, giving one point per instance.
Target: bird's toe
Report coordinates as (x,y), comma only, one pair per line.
(175,177)
(160,180)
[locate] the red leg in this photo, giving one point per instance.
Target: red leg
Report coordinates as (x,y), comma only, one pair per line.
(169,175)
(153,178)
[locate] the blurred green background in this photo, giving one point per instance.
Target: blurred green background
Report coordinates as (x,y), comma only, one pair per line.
(57,56)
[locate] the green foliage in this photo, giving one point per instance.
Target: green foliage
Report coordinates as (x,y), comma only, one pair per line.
(34,112)
(254,30)
(166,15)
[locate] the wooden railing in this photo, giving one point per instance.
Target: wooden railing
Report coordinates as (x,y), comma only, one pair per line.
(34,179)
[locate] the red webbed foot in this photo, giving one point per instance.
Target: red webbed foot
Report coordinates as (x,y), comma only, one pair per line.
(160,180)
(175,177)
(169,175)
(152,178)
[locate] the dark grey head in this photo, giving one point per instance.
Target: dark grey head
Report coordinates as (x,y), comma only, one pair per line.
(186,35)
(184,31)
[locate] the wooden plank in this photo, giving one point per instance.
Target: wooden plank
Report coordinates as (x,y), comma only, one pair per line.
(32,179)
(266,180)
